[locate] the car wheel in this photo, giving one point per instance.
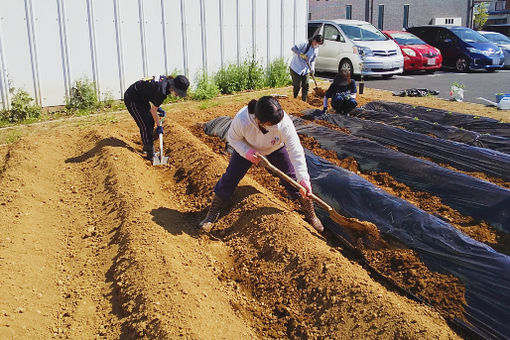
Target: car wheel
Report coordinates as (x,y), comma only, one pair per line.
(462,64)
(345,65)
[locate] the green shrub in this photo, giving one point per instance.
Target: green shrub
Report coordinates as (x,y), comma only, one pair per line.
(206,88)
(22,107)
(249,75)
(227,79)
(278,74)
(83,95)
(255,75)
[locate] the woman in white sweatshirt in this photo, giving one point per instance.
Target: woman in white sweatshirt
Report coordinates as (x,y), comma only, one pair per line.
(263,128)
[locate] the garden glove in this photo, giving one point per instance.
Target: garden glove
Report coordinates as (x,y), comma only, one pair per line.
(308,186)
(159,130)
(252,157)
(303,56)
(161,112)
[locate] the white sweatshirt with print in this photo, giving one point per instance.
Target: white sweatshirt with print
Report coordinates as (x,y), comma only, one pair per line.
(244,134)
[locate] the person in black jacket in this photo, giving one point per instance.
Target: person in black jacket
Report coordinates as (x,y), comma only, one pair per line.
(342,93)
(138,98)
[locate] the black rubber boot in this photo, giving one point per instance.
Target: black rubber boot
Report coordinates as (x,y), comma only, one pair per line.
(310,217)
(149,150)
(214,212)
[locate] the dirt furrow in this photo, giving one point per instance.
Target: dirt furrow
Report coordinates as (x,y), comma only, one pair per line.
(42,247)
(303,287)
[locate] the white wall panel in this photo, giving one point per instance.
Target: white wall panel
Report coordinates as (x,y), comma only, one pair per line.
(46,45)
(78,41)
(302,19)
(288,26)
(132,47)
(245,29)
(274,29)
(194,36)
(16,49)
(154,37)
(212,24)
(230,31)
(174,36)
(108,69)
(261,30)
(49,52)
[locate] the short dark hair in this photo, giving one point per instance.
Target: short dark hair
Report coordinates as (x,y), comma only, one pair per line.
(317,38)
(267,110)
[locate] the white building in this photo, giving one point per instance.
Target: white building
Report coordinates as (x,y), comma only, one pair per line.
(46,45)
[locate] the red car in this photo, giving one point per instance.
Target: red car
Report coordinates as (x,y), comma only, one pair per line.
(418,55)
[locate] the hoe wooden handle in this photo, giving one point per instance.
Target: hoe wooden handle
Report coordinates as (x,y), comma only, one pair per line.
(292,182)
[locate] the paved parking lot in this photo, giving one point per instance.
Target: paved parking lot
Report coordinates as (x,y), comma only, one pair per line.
(477,83)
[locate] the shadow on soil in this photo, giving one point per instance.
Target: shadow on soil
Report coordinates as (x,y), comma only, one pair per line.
(101,144)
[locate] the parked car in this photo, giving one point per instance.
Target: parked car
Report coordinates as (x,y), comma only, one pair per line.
(357,46)
(462,48)
(418,55)
(500,28)
(502,41)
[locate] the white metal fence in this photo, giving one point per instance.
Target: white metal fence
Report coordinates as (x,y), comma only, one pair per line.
(46,45)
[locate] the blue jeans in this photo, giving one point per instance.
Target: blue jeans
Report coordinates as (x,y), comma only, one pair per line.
(239,166)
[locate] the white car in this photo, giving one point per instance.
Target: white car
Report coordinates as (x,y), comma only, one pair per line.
(502,41)
(357,46)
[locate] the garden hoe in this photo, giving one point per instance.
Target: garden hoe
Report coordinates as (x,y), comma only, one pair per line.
(159,159)
(367,228)
(319,92)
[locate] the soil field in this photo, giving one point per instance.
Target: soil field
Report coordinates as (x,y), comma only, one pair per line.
(96,243)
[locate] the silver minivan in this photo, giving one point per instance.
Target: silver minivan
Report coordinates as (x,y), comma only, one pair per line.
(357,46)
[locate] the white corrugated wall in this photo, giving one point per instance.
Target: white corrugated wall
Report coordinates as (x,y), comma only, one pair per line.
(46,45)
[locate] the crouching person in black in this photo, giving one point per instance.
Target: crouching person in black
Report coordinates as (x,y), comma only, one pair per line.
(138,98)
(342,93)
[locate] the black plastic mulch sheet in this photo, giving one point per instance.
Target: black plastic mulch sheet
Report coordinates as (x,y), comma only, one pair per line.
(469,195)
(453,133)
(459,155)
(484,272)
(443,117)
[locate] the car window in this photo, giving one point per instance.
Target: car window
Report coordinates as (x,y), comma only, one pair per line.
(363,32)
(497,38)
(443,35)
(332,33)
(468,35)
(407,39)
(313,29)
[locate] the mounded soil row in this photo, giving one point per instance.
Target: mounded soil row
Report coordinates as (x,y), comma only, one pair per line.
(98,243)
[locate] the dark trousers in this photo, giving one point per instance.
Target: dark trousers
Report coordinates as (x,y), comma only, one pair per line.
(298,82)
(140,111)
(239,166)
(344,106)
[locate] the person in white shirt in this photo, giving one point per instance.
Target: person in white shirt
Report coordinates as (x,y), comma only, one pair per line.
(263,128)
(303,63)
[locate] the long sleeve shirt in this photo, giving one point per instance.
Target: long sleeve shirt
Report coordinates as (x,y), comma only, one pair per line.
(244,134)
(152,89)
(337,87)
(298,64)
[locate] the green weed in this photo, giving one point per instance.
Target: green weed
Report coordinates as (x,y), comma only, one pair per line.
(205,88)
(277,74)
(208,104)
(83,96)
(22,108)
(11,136)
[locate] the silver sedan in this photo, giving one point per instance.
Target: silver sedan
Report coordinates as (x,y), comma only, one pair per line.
(502,41)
